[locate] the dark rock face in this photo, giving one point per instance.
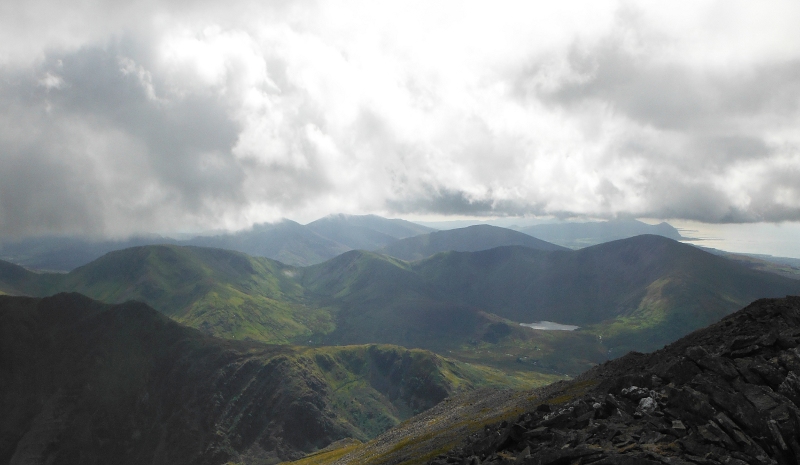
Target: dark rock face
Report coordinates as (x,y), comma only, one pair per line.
(728,394)
(86,382)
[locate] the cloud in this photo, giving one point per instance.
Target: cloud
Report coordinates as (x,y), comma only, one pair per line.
(99,153)
(174,116)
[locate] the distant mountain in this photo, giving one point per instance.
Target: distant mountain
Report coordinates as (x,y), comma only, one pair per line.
(657,287)
(286,241)
(726,394)
(469,239)
(577,235)
(85,382)
(67,253)
(365,232)
(784,266)
(225,293)
(638,293)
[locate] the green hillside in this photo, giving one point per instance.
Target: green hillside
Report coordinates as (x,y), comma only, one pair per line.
(722,391)
(85,382)
(469,239)
(648,288)
(221,292)
(637,293)
(633,294)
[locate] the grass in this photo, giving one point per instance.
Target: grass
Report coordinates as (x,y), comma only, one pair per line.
(423,437)
(327,456)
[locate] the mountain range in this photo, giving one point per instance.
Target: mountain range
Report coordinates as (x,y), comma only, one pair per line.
(286,241)
(633,294)
(198,354)
(576,235)
(468,239)
(301,245)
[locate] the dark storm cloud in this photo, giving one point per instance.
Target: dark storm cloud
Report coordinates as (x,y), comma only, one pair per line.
(443,201)
(96,137)
(188,140)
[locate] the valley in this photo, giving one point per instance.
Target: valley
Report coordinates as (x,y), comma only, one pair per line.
(103,383)
(726,394)
(356,344)
(293,232)
(633,294)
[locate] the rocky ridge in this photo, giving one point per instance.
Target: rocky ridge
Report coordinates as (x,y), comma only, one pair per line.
(86,382)
(727,394)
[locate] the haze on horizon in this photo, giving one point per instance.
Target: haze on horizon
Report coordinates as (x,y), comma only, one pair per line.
(160,116)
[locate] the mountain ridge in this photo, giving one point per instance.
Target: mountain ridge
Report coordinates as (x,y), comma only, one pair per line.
(579,235)
(469,239)
(365,232)
(632,294)
(286,241)
(85,381)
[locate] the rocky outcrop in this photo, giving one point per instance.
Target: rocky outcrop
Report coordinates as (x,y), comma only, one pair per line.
(728,394)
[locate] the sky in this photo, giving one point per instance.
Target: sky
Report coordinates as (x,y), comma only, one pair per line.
(131,117)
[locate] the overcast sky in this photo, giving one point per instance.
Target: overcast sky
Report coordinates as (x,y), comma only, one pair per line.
(119,117)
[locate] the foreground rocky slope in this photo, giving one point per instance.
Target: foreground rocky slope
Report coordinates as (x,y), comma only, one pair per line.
(727,394)
(85,382)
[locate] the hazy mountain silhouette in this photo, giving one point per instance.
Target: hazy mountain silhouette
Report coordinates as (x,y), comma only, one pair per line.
(576,235)
(469,239)
(286,241)
(365,232)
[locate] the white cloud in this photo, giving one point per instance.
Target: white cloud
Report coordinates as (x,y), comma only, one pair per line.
(203,115)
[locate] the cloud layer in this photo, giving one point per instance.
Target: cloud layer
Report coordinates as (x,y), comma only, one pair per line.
(122,117)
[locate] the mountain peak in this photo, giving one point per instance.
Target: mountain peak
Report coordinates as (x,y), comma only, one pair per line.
(468,239)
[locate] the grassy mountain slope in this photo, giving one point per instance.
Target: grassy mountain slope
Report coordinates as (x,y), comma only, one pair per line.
(638,293)
(577,235)
(643,283)
(469,239)
(784,266)
(724,394)
(365,232)
(15,279)
(85,382)
(434,431)
(381,298)
(224,293)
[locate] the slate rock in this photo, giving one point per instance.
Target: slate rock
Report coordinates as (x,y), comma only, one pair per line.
(728,394)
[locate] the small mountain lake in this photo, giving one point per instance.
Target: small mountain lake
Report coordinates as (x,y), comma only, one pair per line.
(549,326)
